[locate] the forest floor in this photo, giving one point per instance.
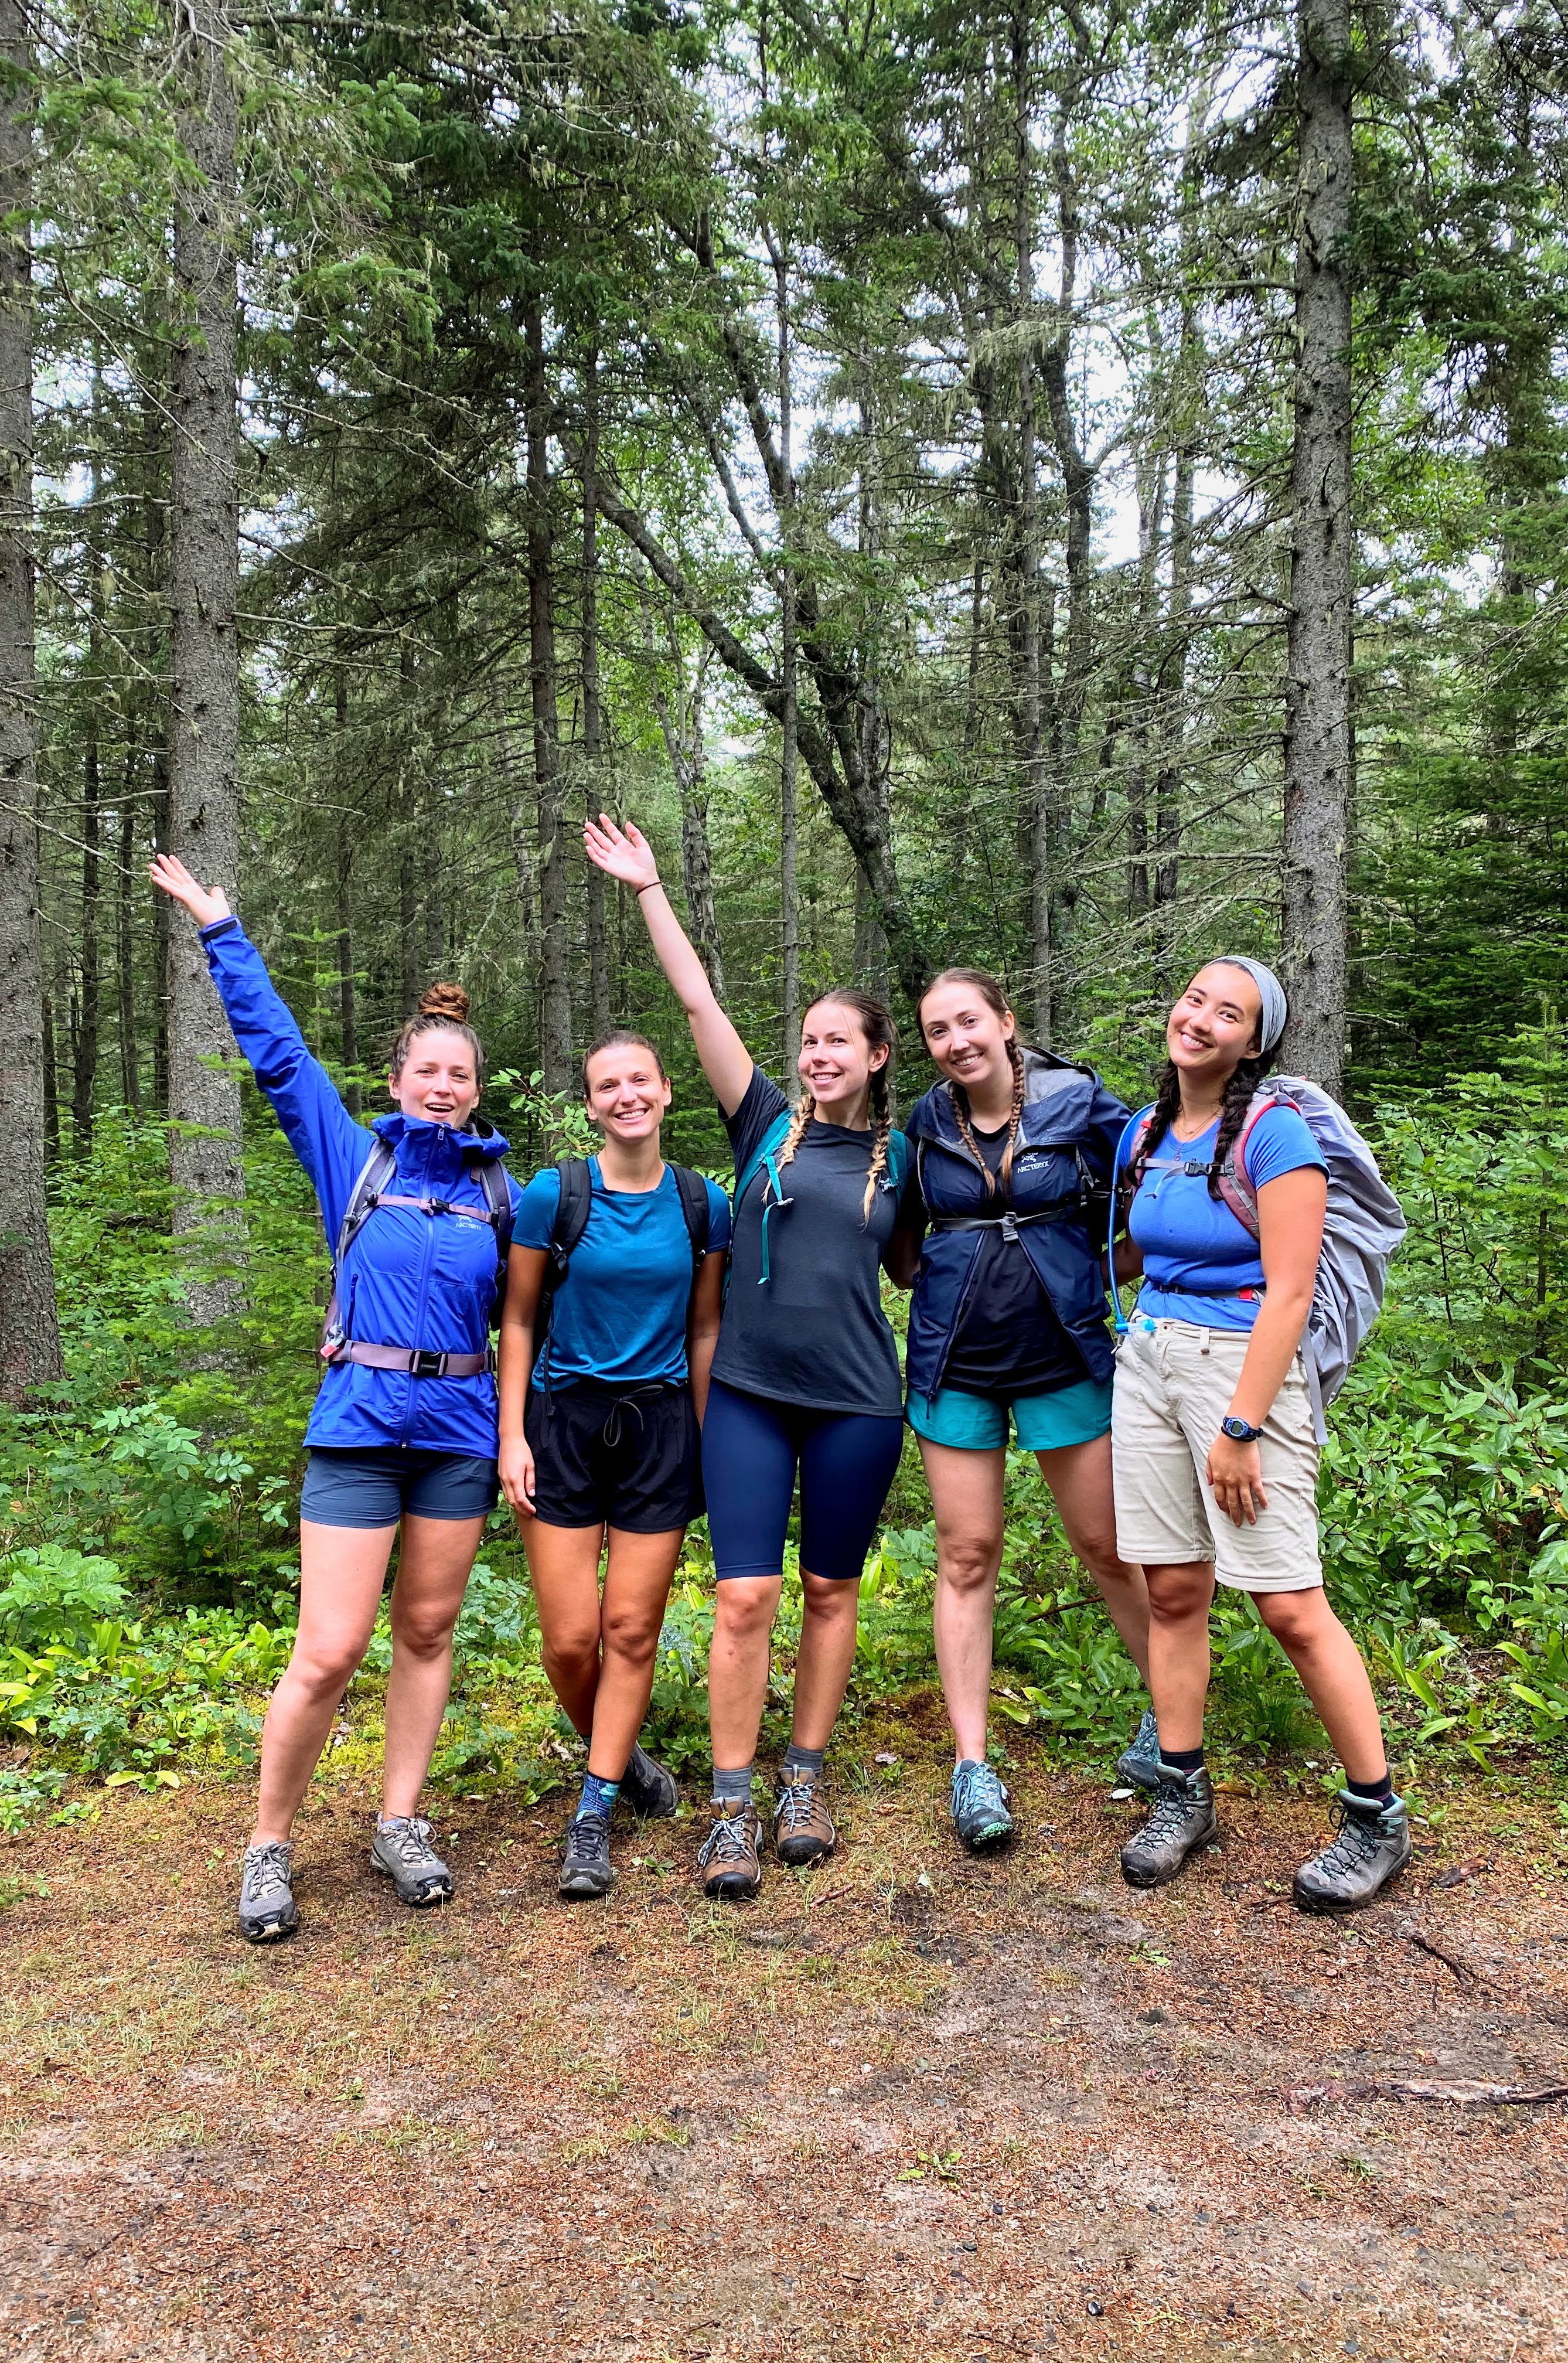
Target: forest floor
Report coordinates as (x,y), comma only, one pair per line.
(908,2107)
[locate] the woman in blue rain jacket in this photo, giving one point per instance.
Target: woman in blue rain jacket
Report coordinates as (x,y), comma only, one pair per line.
(402,1437)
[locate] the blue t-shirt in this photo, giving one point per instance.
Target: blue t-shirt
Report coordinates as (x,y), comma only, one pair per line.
(620,1314)
(1193,1241)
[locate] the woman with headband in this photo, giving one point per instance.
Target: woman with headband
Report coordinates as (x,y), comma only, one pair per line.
(1215,1452)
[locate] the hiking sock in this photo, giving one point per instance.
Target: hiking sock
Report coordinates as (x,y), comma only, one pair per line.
(598,1797)
(733,1788)
(1183,1759)
(1379,1791)
(804,1759)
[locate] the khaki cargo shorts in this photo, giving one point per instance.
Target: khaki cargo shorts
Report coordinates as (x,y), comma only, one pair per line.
(1174,1385)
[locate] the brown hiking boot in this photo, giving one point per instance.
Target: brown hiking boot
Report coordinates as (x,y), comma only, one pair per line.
(803,1826)
(729,1858)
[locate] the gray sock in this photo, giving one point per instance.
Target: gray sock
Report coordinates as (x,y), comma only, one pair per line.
(804,1759)
(733,1788)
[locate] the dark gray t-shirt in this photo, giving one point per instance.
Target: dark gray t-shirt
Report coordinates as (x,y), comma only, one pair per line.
(815,1334)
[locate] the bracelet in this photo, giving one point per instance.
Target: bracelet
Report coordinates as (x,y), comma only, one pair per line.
(649,887)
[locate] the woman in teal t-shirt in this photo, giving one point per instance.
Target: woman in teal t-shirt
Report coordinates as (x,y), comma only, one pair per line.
(601,1425)
(1214,1449)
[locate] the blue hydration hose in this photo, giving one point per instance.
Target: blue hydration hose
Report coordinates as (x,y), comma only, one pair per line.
(1118,1319)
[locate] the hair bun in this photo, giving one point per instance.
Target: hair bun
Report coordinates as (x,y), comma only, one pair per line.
(448,1000)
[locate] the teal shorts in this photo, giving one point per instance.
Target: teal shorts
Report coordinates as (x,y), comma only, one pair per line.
(1044,1423)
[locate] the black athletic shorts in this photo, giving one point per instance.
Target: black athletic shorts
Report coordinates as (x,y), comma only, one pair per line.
(628,1456)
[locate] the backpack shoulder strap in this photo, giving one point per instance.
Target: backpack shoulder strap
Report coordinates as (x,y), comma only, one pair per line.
(572,1212)
(368,1182)
(763,1154)
(491,1175)
(898,1159)
(696,1211)
(1235,1182)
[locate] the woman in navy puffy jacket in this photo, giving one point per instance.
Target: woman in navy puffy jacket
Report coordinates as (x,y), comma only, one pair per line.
(402,1434)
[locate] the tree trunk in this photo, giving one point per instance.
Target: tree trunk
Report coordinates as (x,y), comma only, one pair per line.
(125,943)
(1173,694)
(30,1327)
(1037,782)
(594,789)
(555,998)
(85,1079)
(790,682)
(347,991)
(1318,745)
(204,581)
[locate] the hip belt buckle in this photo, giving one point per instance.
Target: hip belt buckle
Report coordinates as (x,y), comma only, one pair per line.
(424,1363)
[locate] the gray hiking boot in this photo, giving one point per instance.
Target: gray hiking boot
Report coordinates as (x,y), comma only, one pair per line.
(648,1788)
(1138,1766)
(585,1865)
(268,1911)
(403,1849)
(981,1804)
(730,1856)
(1371,1847)
(1181,1820)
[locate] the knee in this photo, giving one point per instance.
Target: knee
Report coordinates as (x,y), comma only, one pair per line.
(969,1565)
(1300,1621)
(418,1633)
(324,1670)
(1177,1598)
(630,1637)
(571,1651)
(827,1601)
(741,1613)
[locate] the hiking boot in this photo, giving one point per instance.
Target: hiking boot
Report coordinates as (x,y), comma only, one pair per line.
(730,1856)
(647,1788)
(980,1805)
(803,1826)
(268,1911)
(1181,1820)
(1138,1766)
(403,1849)
(585,1865)
(1371,1847)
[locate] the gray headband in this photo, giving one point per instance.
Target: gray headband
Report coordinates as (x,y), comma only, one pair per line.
(1275,1009)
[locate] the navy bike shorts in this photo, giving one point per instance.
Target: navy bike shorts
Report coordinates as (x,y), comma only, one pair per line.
(751,1451)
(384,1482)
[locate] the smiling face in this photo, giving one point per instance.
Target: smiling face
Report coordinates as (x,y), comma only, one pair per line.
(837,1063)
(437,1082)
(1214,1025)
(968,1038)
(624,1092)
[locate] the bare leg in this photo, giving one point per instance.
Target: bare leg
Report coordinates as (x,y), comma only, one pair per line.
(1332,1674)
(743,1609)
(827,1654)
(636,1589)
(342,1569)
(1180,1599)
(1079,1478)
(433,1569)
(564,1564)
(967,1496)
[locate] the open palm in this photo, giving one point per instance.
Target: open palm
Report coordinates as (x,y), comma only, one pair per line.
(206,905)
(624,853)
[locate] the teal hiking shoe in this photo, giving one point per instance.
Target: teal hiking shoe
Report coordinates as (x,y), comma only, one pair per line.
(981,1804)
(1371,1847)
(1138,1766)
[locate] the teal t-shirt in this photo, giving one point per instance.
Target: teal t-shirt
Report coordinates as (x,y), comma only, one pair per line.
(620,1314)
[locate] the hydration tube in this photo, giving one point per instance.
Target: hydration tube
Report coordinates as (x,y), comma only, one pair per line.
(1119,1318)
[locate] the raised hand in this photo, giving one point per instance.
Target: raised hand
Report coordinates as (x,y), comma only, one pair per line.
(205,907)
(624,853)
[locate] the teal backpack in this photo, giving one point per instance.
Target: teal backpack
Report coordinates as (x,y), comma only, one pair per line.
(762,1159)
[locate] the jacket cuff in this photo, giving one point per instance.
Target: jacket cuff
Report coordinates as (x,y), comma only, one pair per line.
(220,927)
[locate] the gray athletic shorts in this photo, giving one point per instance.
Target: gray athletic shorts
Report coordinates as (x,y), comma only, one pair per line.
(385,1482)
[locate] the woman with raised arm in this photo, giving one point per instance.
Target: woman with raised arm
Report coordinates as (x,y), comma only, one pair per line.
(1014,1154)
(603,1381)
(402,1437)
(805,1376)
(1215,1448)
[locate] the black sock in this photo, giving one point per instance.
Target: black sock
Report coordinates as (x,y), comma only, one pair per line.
(1183,1759)
(1379,1791)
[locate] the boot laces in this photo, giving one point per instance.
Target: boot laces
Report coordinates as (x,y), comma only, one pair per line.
(586,1837)
(411,1840)
(797,1803)
(978,1790)
(266,1870)
(727,1841)
(1355,1841)
(1170,1811)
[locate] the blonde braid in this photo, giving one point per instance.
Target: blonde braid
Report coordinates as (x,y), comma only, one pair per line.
(797,1132)
(882,1110)
(1014,1114)
(960,1099)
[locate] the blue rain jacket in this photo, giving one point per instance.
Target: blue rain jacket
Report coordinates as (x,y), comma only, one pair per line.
(409,1278)
(1067,1138)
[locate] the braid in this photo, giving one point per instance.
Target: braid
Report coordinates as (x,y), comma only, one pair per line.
(797,1132)
(881,1109)
(1014,1114)
(960,1099)
(1239,1093)
(1167,1105)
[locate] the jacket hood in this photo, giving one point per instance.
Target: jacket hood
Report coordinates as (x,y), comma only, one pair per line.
(1044,1076)
(480,1139)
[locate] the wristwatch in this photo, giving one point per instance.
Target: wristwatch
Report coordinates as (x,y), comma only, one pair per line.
(1238,1431)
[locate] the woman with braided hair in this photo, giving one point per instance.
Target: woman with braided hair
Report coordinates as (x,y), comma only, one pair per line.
(1215,1449)
(1013,1152)
(805,1376)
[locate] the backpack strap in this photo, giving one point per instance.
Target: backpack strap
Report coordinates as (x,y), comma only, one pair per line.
(898,1159)
(763,1158)
(696,1211)
(363,1199)
(1235,1181)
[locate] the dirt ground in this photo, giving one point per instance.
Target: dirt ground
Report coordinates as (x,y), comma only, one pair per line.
(908,2107)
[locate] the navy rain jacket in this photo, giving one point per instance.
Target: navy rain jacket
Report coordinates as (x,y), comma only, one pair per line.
(1067,1138)
(409,1278)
